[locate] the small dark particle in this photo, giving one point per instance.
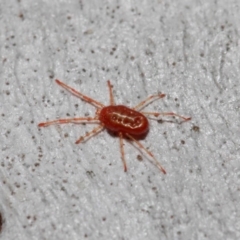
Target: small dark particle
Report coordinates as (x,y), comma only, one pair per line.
(139,158)
(21,16)
(195,129)
(1,222)
(160,121)
(91,174)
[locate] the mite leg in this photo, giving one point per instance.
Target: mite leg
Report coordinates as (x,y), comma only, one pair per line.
(122,152)
(69,120)
(110,93)
(95,131)
(156,114)
(148,100)
(148,152)
(80,95)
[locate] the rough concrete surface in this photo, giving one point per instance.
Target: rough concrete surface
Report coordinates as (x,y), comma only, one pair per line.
(51,188)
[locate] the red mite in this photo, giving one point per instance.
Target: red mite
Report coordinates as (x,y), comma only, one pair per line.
(128,123)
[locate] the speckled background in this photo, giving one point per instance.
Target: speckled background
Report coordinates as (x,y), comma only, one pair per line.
(51,188)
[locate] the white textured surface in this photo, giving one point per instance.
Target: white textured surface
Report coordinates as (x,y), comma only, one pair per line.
(51,188)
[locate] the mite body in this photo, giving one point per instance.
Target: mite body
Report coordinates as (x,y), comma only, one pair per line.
(126,122)
(120,118)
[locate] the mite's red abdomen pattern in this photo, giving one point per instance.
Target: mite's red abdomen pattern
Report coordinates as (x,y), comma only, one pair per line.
(123,119)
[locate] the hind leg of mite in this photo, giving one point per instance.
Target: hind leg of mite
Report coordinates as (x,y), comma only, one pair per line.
(122,151)
(147,152)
